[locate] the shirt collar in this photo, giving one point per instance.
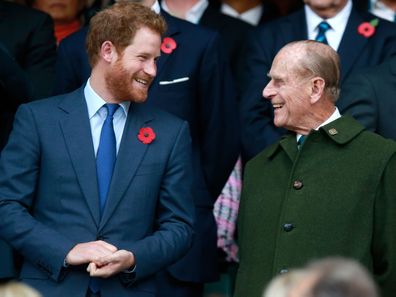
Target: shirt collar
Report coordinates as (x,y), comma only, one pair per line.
(95,102)
(251,16)
(194,14)
(334,116)
(338,22)
(156,7)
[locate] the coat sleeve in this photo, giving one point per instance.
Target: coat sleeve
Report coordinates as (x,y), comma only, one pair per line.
(384,238)
(19,176)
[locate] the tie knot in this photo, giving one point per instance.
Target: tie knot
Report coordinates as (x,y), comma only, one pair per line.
(111,109)
(300,141)
(324,26)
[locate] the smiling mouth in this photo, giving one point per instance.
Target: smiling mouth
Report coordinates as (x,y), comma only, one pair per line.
(144,82)
(277,105)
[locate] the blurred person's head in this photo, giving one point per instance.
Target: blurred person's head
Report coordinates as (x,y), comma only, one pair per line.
(14,289)
(326,8)
(338,277)
(61,11)
(147,3)
(282,284)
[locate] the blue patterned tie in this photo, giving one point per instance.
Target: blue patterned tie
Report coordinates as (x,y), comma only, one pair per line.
(105,160)
(321,37)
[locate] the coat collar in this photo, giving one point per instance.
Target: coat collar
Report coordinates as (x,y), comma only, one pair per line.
(341,131)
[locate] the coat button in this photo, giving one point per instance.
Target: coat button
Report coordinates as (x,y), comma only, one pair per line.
(288,227)
(298,184)
(283,271)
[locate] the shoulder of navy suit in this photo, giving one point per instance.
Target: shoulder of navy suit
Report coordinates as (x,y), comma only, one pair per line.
(75,39)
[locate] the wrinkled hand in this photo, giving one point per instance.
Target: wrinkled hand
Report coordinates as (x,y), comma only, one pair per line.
(111,264)
(88,252)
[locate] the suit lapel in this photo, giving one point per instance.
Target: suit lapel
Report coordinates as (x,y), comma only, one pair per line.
(77,133)
(352,43)
(129,157)
(172,31)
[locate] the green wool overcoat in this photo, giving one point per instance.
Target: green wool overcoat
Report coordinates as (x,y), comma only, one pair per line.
(334,196)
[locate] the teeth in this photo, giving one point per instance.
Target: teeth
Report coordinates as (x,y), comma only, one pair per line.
(277,105)
(141,81)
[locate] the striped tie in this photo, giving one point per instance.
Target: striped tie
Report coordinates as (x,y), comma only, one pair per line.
(321,37)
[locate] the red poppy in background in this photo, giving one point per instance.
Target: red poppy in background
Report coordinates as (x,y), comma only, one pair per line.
(367,29)
(168,45)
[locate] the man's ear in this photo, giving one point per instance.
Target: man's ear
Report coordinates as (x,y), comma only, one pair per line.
(317,89)
(108,51)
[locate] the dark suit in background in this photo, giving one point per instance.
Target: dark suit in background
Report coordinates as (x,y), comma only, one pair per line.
(28,53)
(205,98)
(355,51)
(370,97)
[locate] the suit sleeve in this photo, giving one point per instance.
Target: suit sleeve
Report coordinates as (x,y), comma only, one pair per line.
(175,213)
(39,62)
(358,98)
(384,238)
(218,117)
(258,130)
(19,177)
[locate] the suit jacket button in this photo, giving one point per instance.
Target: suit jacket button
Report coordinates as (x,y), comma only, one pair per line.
(298,184)
(288,227)
(283,271)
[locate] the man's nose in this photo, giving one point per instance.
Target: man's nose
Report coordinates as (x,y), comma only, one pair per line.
(268,91)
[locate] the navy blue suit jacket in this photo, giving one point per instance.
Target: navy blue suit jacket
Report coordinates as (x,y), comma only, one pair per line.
(355,52)
(370,97)
(49,195)
(207,101)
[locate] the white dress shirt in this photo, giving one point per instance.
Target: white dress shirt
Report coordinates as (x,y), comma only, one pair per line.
(337,23)
(381,10)
(97,114)
(194,14)
(251,16)
(156,7)
(335,115)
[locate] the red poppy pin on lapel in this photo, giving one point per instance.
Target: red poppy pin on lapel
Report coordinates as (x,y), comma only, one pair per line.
(367,29)
(146,135)
(168,45)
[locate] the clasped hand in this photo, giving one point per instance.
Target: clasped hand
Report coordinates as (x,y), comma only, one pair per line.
(103,259)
